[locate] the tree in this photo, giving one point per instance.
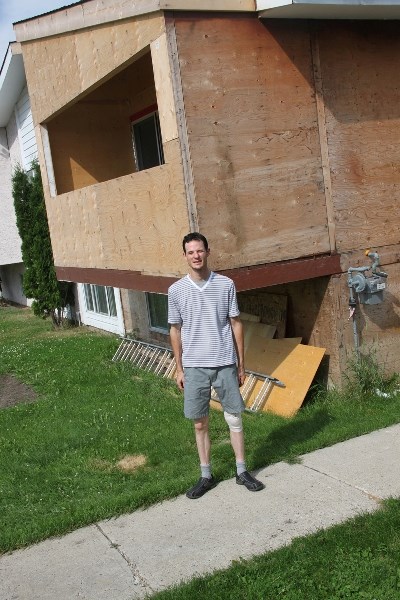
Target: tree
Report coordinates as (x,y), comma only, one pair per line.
(50,297)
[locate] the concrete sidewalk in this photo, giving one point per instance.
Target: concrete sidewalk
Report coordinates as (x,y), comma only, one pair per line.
(147,551)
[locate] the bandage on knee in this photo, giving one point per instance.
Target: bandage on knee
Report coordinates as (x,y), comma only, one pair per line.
(234,421)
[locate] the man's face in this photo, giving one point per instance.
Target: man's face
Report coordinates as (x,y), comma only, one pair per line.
(196,255)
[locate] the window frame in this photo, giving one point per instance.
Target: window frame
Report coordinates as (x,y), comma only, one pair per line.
(136,119)
(156,328)
(95,300)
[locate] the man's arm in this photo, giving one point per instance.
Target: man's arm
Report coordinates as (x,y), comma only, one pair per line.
(237,331)
(176,343)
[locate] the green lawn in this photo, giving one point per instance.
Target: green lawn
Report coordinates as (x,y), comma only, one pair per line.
(359,560)
(59,455)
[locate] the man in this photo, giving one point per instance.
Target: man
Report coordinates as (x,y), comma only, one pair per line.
(207,341)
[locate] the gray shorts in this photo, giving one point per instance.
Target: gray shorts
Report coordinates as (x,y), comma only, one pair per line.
(197,390)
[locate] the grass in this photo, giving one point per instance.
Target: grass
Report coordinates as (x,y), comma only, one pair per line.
(59,456)
(357,560)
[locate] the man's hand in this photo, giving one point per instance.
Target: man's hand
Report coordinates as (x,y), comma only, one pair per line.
(180,379)
(237,332)
(241,375)
(176,343)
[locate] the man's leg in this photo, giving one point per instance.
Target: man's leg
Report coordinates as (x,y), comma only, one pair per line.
(206,481)
(237,442)
(202,439)
(243,477)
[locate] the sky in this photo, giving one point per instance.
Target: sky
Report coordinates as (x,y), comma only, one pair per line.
(18,10)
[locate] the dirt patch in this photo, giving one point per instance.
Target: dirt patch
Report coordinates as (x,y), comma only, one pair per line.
(128,464)
(131,462)
(13,391)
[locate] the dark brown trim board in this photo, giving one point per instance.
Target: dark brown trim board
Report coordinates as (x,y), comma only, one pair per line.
(247,278)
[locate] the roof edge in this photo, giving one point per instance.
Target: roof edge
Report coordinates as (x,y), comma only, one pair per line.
(87,14)
(12,81)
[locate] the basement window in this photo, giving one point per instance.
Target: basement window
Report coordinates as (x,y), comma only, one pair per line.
(100,299)
(157,307)
(147,142)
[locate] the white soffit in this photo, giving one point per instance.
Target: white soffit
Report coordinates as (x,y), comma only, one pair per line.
(329,9)
(12,81)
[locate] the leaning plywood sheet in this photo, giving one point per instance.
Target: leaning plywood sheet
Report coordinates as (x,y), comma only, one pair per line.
(265,355)
(247,317)
(298,371)
(295,365)
(253,331)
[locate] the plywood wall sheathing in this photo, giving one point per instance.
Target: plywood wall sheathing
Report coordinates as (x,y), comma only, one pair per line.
(253,132)
(378,325)
(326,171)
(164,88)
(181,123)
(60,69)
(135,222)
(91,14)
(84,152)
(360,62)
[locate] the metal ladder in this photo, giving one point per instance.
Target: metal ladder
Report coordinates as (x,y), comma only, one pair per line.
(161,362)
(252,379)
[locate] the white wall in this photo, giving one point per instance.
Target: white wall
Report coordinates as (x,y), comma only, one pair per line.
(10,242)
(11,283)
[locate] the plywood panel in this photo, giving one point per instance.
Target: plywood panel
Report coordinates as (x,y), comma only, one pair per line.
(254,330)
(253,132)
(294,364)
(59,69)
(265,355)
(360,62)
(164,89)
(247,317)
(135,222)
(296,371)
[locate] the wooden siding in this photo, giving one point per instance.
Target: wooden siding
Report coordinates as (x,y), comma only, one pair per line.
(254,141)
(133,222)
(360,64)
(59,69)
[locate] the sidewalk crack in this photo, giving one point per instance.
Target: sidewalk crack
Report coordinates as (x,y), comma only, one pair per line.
(376,499)
(138,579)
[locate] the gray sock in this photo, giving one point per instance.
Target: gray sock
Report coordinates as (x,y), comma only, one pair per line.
(240,467)
(206,471)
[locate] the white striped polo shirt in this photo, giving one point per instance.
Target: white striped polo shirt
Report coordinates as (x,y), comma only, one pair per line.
(203,313)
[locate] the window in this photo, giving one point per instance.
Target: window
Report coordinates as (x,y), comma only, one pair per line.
(147,141)
(157,305)
(100,299)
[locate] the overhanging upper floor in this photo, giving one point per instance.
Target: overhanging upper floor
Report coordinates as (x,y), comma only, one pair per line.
(257,147)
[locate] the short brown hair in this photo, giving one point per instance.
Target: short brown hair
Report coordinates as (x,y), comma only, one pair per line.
(194,237)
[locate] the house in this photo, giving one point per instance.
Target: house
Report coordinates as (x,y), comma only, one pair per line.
(271,127)
(17,146)
(98,306)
